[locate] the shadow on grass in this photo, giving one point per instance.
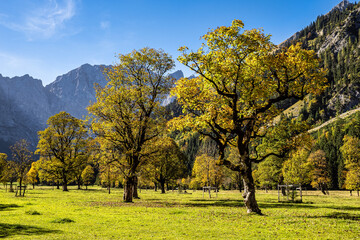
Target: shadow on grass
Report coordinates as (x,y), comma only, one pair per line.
(350,208)
(4,207)
(7,230)
(305,205)
(92,190)
(287,205)
(216,203)
(340,215)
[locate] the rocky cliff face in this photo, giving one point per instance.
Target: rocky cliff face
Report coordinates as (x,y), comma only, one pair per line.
(25,104)
(75,89)
(24,109)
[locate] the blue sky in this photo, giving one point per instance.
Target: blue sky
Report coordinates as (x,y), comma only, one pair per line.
(47,38)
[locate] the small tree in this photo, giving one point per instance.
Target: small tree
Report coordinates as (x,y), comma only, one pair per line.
(109,162)
(88,175)
(296,169)
(206,172)
(22,157)
(3,168)
(3,163)
(11,174)
(168,163)
(319,174)
(351,153)
(31,176)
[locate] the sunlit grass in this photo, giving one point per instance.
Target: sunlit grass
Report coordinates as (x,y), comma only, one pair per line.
(45,213)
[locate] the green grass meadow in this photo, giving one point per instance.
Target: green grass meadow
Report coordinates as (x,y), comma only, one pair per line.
(47,213)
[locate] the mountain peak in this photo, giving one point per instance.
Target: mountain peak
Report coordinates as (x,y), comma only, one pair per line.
(341,6)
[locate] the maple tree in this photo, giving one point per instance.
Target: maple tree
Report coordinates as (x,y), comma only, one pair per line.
(22,157)
(3,157)
(88,175)
(241,79)
(351,153)
(109,164)
(32,174)
(320,176)
(206,172)
(3,167)
(128,112)
(168,164)
(296,169)
(63,148)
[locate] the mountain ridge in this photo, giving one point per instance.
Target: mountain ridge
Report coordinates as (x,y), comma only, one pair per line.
(26,104)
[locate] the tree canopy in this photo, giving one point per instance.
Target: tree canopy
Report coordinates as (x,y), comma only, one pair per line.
(351,153)
(242,78)
(22,157)
(63,147)
(128,111)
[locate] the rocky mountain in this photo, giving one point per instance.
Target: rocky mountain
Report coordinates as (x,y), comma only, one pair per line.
(25,104)
(75,89)
(335,37)
(341,6)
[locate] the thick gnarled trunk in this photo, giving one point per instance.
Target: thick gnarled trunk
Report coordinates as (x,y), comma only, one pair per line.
(249,191)
(128,189)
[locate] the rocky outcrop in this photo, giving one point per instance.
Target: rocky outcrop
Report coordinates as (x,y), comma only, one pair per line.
(339,37)
(341,6)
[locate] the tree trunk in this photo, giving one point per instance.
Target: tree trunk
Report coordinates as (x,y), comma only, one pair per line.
(135,190)
(239,181)
(79,185)
(11,189)
(57,185)
(350,192)
(64,186)
(155,188)
(128,189)
(324,190)
(249,191)
(162,184)
(33,185)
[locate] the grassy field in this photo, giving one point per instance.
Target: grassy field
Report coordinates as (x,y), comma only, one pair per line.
(46,213)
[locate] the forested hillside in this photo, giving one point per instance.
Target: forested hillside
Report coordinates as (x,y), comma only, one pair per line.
(335,37)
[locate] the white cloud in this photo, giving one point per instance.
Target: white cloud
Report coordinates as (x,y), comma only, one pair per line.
(43,22)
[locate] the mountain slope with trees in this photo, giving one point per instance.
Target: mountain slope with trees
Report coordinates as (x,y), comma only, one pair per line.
(335,37)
